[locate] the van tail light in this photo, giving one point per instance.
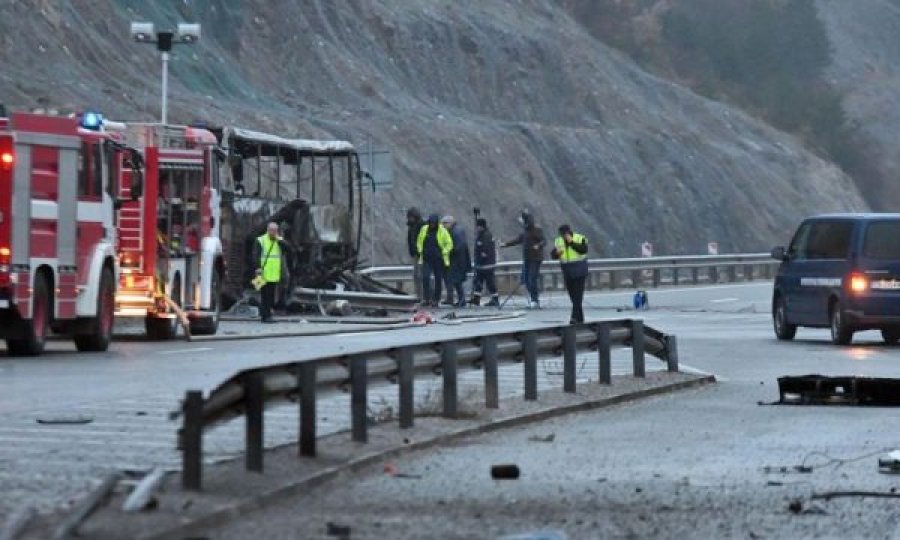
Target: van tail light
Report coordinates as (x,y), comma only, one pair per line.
(858,283)
(4,255)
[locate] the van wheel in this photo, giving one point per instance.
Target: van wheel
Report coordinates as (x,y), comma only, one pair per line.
(37,328)
(890,335)
(841,331)
(209,325)
(783,330)
(102,325)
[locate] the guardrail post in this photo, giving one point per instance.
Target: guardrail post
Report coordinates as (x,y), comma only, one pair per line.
(555,282)
(529,364)
(307,385)
(254,402)
(569,357)
(192,441)
(748,272)
(637,347)
(604,353)
(767,271)
(714,274)
(672,354)
(448,369)
(405,361)
(695,275)
(676,276)
(613,279)
(359,399)
(656,277)
(636,279)
(491,379)
(732,273)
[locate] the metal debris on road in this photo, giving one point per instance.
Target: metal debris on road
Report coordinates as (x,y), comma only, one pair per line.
(65,420)
(542,438)
(507,471)
(142,495)
(824,390)
(334,529)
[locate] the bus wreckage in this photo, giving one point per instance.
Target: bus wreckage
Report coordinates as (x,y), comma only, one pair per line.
(314,191)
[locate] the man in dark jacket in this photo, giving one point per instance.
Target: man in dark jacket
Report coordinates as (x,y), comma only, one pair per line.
(460,261)
(532,241)
(414,224)
(485,263)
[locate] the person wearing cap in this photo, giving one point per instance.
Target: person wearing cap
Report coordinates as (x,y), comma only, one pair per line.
(433,245)
(570,249)
(485,262)
(460,262)
(414,224)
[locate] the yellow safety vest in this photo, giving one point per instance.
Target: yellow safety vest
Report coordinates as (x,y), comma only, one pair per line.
(444,241)
(566,253)
(271,265)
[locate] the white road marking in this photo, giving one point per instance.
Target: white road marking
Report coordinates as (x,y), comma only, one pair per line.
(181,351)
(723,300)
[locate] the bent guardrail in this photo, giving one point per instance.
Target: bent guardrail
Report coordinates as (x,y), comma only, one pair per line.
(248,392)
(621,273)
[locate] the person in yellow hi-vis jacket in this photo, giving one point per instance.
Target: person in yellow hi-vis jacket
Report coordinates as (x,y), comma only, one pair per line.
(267,258)
(434,245)
(571,251)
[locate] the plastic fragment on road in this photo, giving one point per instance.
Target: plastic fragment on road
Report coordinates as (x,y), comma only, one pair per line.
(65,420)
(422,317)
(507,471)
(537,535)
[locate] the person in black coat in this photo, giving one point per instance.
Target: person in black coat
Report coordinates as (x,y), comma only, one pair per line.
(460,262)
(414,224)
(532,241)
(485,263)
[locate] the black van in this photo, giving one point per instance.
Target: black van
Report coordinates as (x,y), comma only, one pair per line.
(841,271)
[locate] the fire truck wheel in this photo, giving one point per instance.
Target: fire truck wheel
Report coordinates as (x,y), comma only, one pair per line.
(36,329)
(209,325)
(102,325)
(160,328)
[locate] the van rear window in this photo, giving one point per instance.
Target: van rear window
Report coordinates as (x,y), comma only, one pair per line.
(882,240)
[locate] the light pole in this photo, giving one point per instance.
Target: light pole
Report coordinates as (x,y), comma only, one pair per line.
(187,34)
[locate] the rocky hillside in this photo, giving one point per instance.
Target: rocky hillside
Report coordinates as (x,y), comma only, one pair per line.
(504,104)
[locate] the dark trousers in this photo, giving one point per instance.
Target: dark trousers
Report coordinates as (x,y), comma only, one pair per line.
(575,288)
(484,279)
(267,300)
(531,272)
(431,292)
(448,282)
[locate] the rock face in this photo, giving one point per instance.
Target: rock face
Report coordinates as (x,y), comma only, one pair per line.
(502,105)
(865,53)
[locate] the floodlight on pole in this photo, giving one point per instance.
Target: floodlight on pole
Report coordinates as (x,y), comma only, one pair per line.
(185,33)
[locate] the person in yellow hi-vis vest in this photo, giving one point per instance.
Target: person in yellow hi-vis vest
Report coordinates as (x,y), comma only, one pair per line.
(571,251)
(267,258)
(433,245)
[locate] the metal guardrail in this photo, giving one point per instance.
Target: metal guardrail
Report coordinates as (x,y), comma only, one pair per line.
(248,392)
(621,273)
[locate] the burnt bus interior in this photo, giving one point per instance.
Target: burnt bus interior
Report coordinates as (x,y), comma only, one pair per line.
(310,188)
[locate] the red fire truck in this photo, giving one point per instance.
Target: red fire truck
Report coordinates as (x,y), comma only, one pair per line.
(57,255)
(168,239)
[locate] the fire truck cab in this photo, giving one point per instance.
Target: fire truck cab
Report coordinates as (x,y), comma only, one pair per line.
(57,240)
(169,248)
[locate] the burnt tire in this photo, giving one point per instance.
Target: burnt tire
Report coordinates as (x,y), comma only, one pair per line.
(783,329)
(209,324)
(891,336)
(101,326)
(841,330)
(35,329)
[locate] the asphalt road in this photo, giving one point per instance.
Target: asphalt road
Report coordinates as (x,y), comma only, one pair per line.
(711,463)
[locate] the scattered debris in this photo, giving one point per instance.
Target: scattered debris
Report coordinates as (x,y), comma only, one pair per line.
(774,483)
(505,472)
(144,493)
(422,317)
(537,535)
(823,390)
(339,308)
(828,495)
(795,506)
(86,507)
(544,438)
(890,464)
(391,470)
(65,420)
(334,529)
(804,469)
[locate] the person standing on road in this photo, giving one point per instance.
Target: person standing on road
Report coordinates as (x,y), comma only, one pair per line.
(571,252)
(532,241)
(433,246)
(485,263)
(460,261)
(267,257)
(414,224)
